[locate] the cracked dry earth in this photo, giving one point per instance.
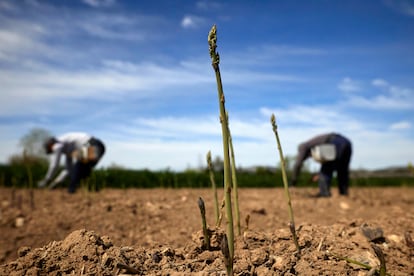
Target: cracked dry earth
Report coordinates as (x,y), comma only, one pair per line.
(159,232)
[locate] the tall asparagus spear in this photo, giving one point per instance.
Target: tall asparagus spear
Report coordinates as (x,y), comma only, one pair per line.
(215,60)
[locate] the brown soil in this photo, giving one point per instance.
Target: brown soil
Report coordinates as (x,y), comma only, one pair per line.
(158,232)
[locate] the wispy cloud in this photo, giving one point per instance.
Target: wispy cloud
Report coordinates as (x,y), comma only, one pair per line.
(21,39)
(349,85)
(315,118)
(380,83)
(192,22)
(401,125)
(381,102)
(384,97)
(116,26)
(44,23)
(99,3)
(182,128)
(112,79)
(393,90)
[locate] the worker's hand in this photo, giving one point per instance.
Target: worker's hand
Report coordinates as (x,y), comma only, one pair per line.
(42,183)
(315,177)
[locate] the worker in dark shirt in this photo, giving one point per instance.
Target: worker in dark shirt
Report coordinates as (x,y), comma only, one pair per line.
(333,151)
(82,152)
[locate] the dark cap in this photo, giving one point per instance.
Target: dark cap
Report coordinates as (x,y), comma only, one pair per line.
(48,144)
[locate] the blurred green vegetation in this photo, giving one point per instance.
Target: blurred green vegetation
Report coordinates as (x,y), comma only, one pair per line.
(26,169)
(18,173)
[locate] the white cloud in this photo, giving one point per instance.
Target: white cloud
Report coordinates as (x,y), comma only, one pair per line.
(328,117)
(25,91)
(194,128)
(21,40)
(400,92)
(175,127)
(114,26)
(379,149)
(380,83)
(395,91)
(387,97)
(401,125)
(191,21)
(99,3)
(381,102)
(348,85)
(43,24)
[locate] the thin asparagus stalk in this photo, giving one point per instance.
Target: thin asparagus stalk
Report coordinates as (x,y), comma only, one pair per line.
(215,60)
(234,179)
(285,183)
(213,184)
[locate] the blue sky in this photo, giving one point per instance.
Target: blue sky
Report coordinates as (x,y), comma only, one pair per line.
(138,75)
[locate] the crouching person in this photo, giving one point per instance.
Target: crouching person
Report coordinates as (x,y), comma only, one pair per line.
(81,151)
(333,151)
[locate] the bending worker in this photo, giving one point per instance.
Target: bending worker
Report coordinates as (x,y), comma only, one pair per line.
(333,151)
(82,152)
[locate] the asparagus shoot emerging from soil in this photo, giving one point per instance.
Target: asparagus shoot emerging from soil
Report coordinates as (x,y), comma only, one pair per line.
(285,183)
(213,185)
(203,218)
(226,254)
(215,60)
(247,220)
(380,255)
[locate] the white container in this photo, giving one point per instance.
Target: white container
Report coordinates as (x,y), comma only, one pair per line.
(324,153)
